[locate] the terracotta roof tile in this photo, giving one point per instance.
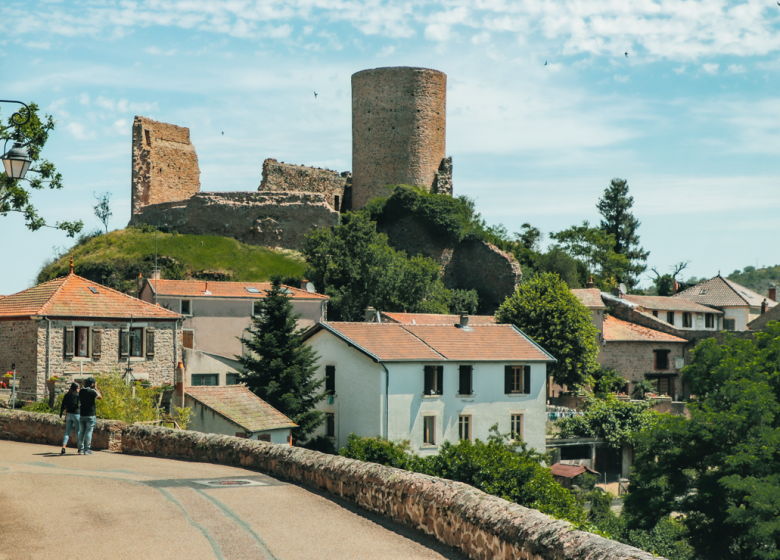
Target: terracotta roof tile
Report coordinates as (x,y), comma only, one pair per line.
(241,406)
(434,319)
(570,471)
(197,288)
(74,296)
(721,292)
(590,298)
(668,303)
(393,342)
(760,322)
(616,330)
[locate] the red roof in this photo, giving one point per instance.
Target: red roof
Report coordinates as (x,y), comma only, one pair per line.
(434,319)
(616,330)
(590,298)
(199,288)
(395,342)
(570,471)
(74,296)
(241,406)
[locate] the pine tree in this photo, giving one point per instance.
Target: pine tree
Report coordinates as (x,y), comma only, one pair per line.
(615,207)
(280,367)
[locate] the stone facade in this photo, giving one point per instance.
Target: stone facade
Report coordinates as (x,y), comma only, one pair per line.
(442,182)
(165,165)
(633,360)
(398,129)
(480,525)
(271,219)
(286,177)
(36,347)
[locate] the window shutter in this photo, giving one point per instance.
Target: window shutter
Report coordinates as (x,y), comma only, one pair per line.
(428,388)
(439,380)
(124,343)
(97,342)
(70,341)
(507,379)
(330,380)
(527,380)
(464,387)
(150,342)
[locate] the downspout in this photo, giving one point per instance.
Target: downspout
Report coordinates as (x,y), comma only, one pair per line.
(48,347)
(387,401)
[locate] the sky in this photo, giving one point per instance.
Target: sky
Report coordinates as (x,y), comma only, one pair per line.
(544,107)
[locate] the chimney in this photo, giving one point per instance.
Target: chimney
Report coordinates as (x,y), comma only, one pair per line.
(464,321)
(156,274)
(615,291)
(590,283)
(140,284)
(303,283)
(772,292)
(676,287)
(763,306)
(370,315)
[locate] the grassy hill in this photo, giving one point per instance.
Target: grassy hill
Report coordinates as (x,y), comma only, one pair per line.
(117,258)
(757,279)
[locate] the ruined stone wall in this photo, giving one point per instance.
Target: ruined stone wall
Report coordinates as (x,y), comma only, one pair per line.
(480,525)
(442,181)
(271,219)
(398,129)
(286,177)
(165,165)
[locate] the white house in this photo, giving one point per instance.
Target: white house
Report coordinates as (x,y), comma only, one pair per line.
(430,383)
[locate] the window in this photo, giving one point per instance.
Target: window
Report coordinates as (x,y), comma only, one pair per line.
(663,386)
(464,380)
(82,342)
(709,320)
(670,317)
(517,379)
(729,324)
(574,452)
(199,379)
(429,430)
(434,379)
(264,437)
(231,379)
(186,307)
(137,342)
(687,323)
(330,380)
(464,427)
(516,427)
(661,359)
(655,313)
(188,339)
(330,424)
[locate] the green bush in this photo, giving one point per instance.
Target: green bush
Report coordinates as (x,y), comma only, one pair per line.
(120,403)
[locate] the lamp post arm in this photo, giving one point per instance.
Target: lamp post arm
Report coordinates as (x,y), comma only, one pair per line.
(16,117)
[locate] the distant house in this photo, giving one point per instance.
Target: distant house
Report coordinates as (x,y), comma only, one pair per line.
(566,475)
(770,312)
(591,298)
(430,383)
(72,328)
(426,318)
(217,314)
(236,411)
(739,305)
(638,353)
(680,313)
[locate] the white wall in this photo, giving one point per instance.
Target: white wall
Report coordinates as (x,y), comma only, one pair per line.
(740,316)
(205,420)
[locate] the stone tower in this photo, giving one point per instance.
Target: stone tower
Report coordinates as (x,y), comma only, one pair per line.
(165,165)
(398,131)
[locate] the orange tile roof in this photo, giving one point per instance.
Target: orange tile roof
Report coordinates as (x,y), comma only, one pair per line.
(721,292)
(434,319)
(395,342)
(590,298)
(198,288)
(616,330)
(668,303)
(73,296)
(241,406)
(570,471)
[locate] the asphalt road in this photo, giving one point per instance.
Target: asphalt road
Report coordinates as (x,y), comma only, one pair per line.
(117,507)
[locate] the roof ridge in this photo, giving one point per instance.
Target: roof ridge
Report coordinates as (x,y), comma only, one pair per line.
(731,284)
(117,292)
(403,326)
(41,309)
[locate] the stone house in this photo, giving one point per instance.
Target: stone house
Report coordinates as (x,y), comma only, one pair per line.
(216,317)
(638,353)
(679,313)
(425,318)
(236,411)
(739,305)
(769,313)
(430,383)
(72,328)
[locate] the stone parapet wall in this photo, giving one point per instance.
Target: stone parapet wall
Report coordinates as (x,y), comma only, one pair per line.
(49,429)
(286,177)
(482,526)
(271,219)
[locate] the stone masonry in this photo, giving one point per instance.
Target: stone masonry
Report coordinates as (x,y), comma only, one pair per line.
(165,165)
(482,526)
(286,177)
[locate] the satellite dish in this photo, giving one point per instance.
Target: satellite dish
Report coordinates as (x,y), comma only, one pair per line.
(622,288)
(310,287)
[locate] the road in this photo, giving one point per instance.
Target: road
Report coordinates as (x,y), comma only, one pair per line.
(114,506)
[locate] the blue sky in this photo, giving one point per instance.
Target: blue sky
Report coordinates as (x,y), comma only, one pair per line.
(691,118)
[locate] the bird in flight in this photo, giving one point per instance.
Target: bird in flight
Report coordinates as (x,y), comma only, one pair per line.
(626,54)
(545,63)
(223,133)
(315,95)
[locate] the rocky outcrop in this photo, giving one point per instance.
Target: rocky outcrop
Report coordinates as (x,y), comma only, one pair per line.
(272,219)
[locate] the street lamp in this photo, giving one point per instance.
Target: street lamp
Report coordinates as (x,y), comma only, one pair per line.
(17,161)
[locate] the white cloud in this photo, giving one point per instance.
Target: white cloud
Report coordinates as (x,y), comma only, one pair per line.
(38,45)
(157,51)
(736,69)
(679,70)
(84,99)
(79,131)
(438,32)
(621,79)
(710,68)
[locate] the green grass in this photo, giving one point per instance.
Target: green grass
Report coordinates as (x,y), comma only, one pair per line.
(117,258)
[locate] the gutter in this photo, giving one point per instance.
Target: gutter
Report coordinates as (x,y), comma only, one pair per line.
(48,347)
(387,401)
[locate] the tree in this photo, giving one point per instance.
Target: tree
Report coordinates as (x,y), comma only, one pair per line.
(596,249)
(14,196)
(618,422)
(620,223)
(719,470)
(280,368)
(356,268)
(103,208)
(664,283)
(546,310)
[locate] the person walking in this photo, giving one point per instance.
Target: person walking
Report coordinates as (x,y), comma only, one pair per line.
(70,405)
(87,397)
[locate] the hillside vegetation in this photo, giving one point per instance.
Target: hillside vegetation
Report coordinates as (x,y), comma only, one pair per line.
(117,258)
(757,279)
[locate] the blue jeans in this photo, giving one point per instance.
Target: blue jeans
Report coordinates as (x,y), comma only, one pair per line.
(86,425)
(71,423)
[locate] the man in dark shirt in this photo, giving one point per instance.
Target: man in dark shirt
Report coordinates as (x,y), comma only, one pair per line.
(87,397)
